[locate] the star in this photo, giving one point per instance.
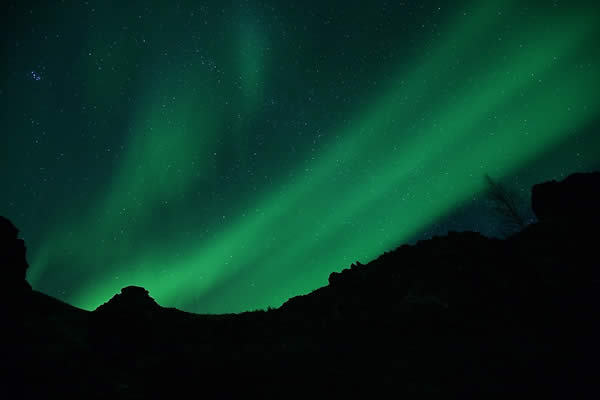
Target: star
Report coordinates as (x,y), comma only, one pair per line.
(35,76)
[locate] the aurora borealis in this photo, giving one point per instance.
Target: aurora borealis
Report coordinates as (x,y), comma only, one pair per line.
(229,155)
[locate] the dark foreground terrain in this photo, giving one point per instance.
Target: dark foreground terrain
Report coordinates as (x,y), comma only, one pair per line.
(459,315)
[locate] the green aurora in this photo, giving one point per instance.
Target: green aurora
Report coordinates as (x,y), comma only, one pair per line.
(252,151)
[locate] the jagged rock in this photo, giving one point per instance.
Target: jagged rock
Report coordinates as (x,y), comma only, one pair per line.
(8,231)
(334,277)
(576,197)
(13,257)
(356,269)
(131,299)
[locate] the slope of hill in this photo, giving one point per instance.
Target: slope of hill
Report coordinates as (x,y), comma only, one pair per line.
(461,314)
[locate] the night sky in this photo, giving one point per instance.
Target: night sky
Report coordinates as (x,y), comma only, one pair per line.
(228,155)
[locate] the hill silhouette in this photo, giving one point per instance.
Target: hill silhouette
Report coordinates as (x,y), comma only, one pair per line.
(459,315)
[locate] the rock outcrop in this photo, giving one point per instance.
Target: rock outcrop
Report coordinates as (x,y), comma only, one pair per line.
(577,197)
(13,258)
(131,299)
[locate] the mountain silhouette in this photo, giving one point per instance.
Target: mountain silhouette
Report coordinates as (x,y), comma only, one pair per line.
(459,315)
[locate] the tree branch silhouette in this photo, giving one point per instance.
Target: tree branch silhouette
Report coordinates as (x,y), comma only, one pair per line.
(506,203)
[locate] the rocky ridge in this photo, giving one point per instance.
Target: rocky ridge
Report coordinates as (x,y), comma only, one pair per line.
(460,315)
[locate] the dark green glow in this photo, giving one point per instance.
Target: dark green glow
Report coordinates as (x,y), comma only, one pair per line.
(481,98)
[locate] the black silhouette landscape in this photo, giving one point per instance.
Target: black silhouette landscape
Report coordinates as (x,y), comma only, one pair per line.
(458,315)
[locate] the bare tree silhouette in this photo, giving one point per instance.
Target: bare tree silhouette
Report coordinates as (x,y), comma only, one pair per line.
(507,203)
